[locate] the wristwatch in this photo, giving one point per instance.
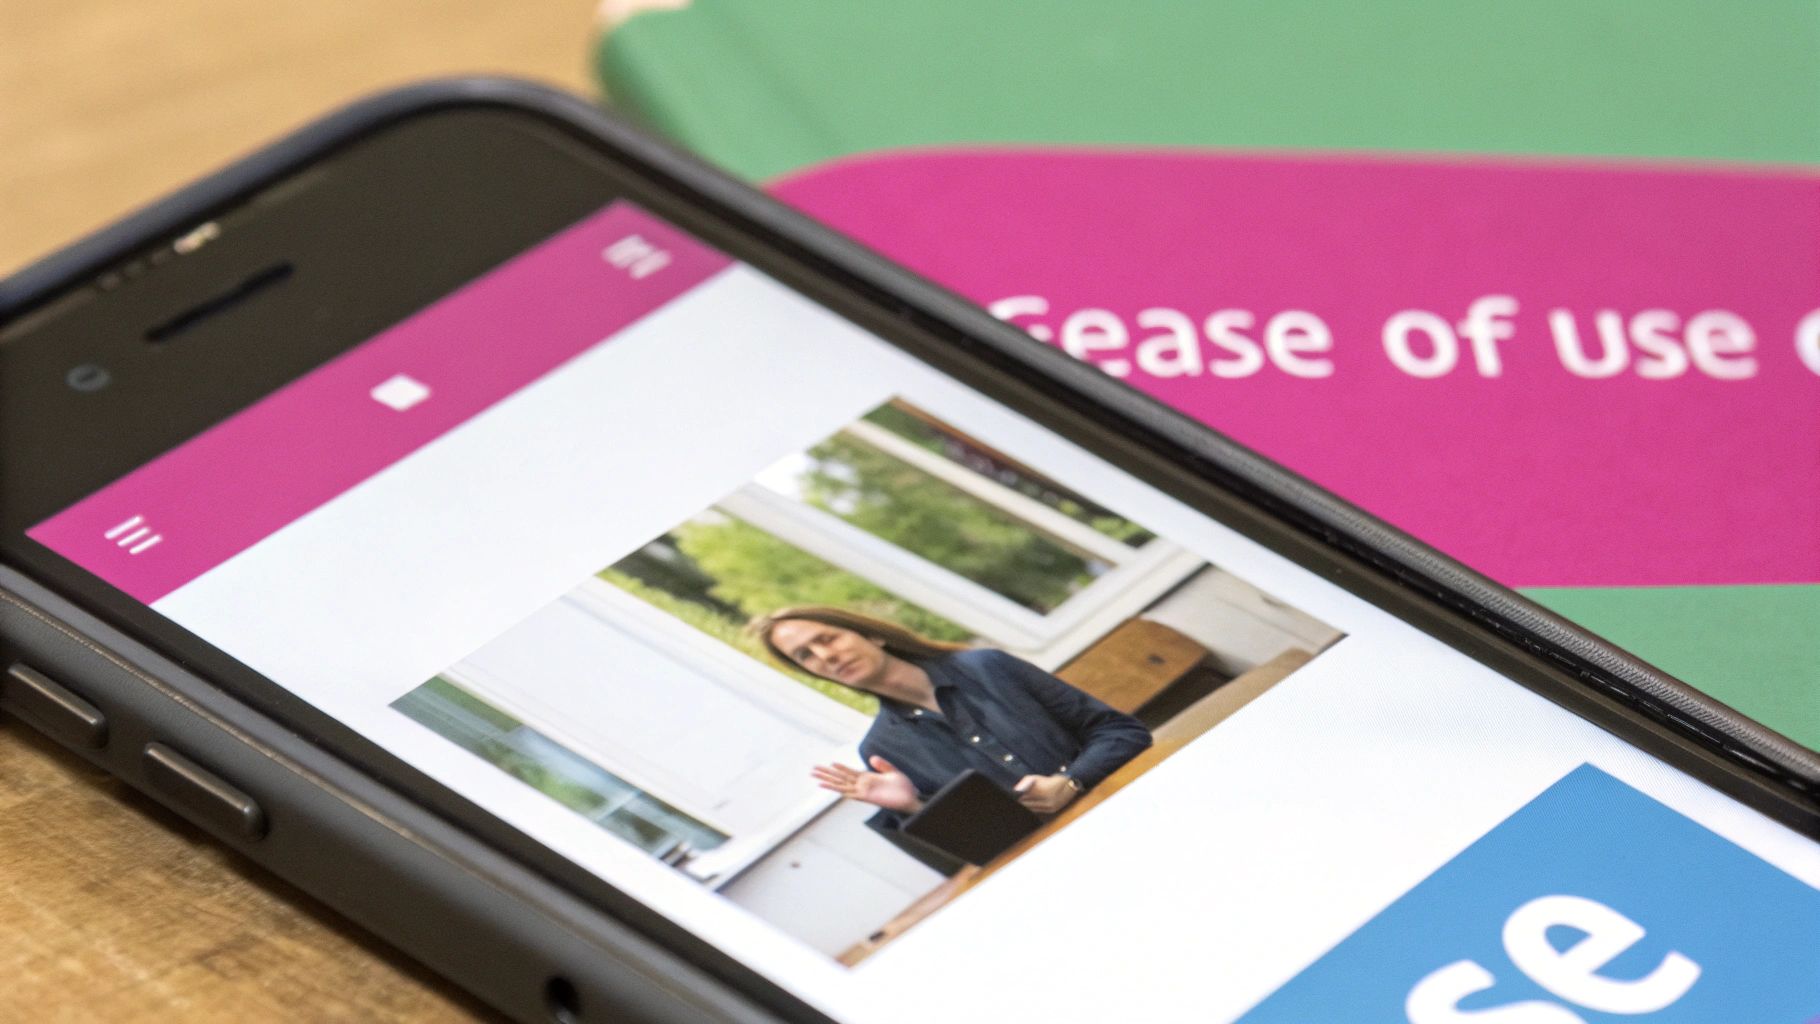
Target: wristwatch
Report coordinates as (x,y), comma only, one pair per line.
(1076,784)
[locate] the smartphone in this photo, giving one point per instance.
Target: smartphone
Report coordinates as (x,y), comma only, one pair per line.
(578,569)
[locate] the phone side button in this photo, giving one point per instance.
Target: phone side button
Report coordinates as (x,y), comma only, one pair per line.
(203,793)
(51,706)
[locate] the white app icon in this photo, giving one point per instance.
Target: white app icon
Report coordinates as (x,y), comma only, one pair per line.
(133,535)
(400,392)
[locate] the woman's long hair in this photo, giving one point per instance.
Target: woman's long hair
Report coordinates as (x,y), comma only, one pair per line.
(897,640)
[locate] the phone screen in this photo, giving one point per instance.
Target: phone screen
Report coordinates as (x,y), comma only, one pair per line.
(1016,735)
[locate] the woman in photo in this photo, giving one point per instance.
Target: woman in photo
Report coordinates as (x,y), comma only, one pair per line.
(944,708)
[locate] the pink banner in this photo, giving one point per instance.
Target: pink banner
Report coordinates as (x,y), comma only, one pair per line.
(223,491)
(1568,376)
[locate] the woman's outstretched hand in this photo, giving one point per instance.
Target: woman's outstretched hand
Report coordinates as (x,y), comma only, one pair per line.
(883,786)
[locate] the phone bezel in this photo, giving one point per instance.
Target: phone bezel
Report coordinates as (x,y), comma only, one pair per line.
(1470,613)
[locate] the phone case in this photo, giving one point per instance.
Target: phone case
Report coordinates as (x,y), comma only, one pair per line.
(512,937)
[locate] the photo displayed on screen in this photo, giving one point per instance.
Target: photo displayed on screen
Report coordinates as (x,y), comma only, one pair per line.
(868,678)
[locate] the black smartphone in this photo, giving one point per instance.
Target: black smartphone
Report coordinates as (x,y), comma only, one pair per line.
(576,568)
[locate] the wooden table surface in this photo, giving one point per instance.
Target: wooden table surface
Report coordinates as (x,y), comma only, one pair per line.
(110,908)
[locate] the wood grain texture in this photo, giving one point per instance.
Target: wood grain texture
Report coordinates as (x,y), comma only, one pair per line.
(117,910)
(110,908)
(107,105)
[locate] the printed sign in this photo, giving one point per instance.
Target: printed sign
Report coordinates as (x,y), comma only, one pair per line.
(1566,376)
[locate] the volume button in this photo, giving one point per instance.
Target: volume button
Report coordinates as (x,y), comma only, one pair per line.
(51,706)
(203,793)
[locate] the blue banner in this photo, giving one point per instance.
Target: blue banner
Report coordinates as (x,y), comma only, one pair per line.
(1593,904)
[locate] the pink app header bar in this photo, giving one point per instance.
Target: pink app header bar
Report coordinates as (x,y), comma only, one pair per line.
(223,491)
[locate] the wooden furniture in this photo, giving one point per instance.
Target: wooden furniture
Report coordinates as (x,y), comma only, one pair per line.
(1172,736)
(112,909)
(117,910)
(1140,662)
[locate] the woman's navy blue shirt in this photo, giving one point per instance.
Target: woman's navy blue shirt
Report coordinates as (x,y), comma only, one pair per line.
(1004,718)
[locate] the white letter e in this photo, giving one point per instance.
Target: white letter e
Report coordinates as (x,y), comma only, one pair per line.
(1573,973)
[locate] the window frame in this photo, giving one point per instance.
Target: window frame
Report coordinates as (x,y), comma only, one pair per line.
(1137,578)
(773,693)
